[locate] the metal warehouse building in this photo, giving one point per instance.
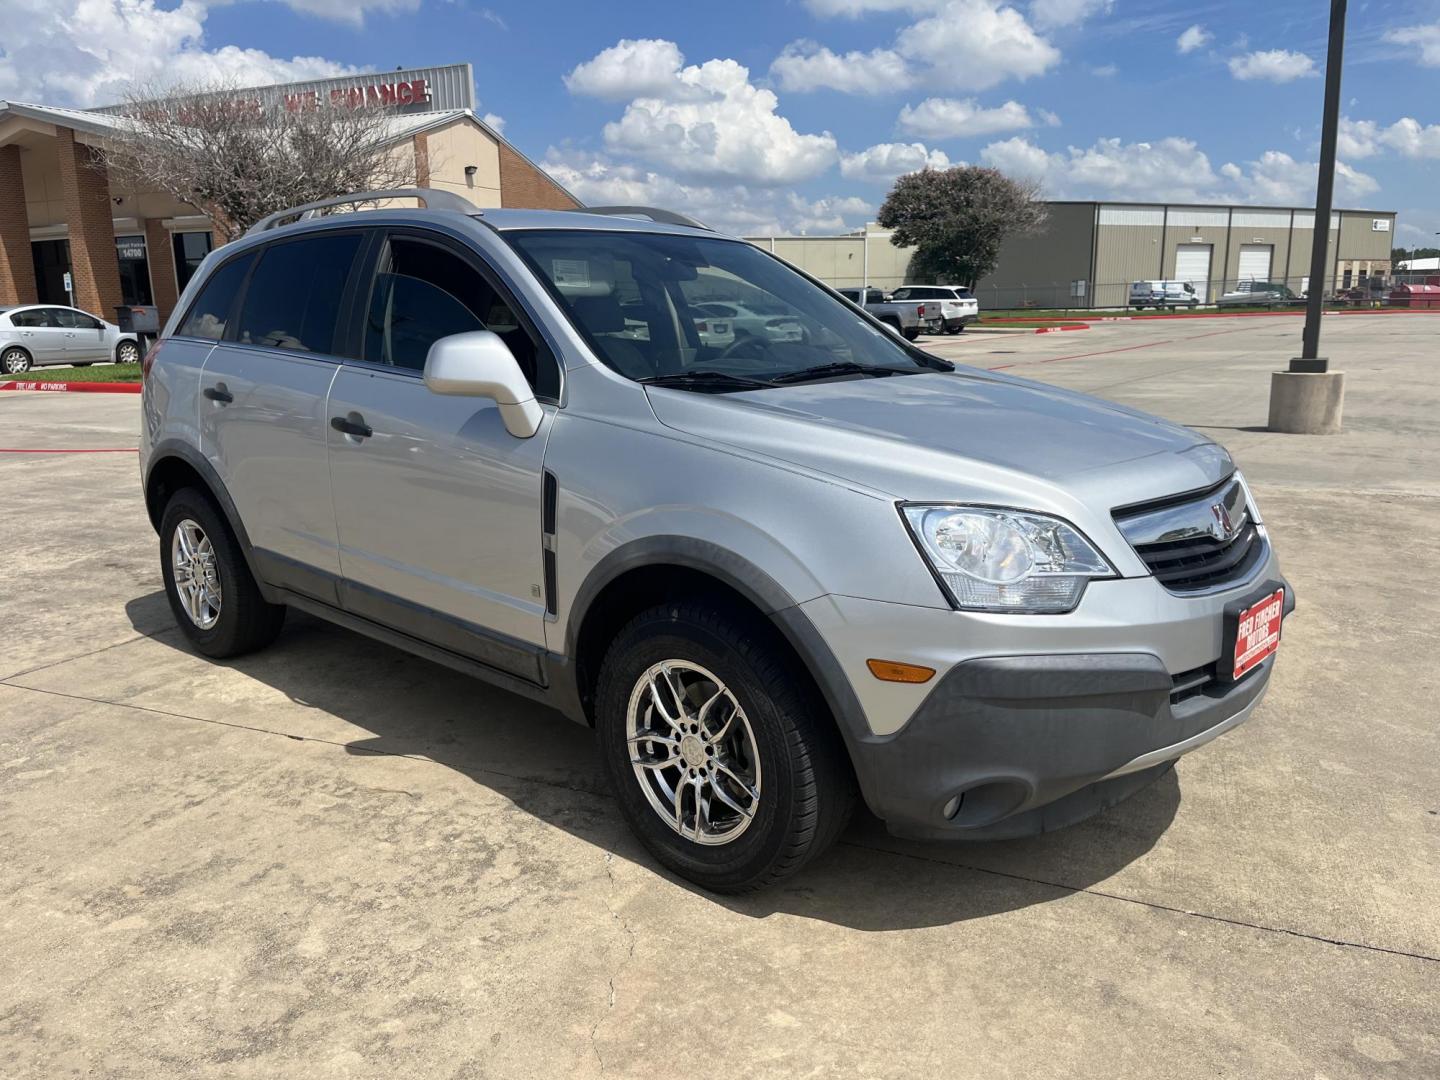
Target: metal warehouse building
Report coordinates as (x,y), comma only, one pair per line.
(1088,253)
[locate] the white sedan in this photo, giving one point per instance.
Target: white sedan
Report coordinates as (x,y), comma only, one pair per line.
(45,335)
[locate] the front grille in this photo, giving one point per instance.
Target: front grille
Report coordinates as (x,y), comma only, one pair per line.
(1187,565)
(1189,684)
(1196,542)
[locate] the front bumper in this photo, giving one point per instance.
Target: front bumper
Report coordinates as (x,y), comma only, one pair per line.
(1035,722)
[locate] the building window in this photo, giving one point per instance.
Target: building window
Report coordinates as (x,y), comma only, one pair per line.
(190,250)
(134,270)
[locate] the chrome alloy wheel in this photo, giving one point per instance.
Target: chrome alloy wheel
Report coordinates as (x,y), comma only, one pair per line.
(15,362)
(127,353)
(693,752)
(192,563)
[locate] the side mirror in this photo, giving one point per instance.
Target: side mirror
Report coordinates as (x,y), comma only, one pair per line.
(480,364)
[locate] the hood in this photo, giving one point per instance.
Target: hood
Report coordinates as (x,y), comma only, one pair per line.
(963,434)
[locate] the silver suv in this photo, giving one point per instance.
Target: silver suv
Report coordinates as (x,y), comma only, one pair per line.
(771,571)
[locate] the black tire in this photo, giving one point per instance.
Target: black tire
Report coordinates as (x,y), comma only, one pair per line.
(910,335)
(961,328)
(808,790)
(14,361)
(127,352)
(246,622)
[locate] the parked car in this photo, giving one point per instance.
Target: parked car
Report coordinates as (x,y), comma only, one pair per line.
(1163,294)
(958,306)
(1260,294)
(771,575)
(41,335)
(908,318)
(762,320)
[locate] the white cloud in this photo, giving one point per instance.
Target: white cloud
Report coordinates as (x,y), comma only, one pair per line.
(1276,177)
(1067,12)
(350,11)
(91,52)
(703,122)
(976,44)
(1172,169)
(951,118)
(955,44)
(1105,71)
(733,208)
(629,69)
(806,65)
(1196,37)
(496,122)
(1273,65)
(1426,39)
(882,163)
(1406,136)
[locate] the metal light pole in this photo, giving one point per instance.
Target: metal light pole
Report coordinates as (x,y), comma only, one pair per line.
(1308,398)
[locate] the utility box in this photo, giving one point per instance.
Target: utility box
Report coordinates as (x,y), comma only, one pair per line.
(137,320)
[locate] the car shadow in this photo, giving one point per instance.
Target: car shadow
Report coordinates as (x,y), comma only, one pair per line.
(547,766)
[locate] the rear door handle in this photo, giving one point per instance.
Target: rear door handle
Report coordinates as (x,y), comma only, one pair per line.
(353,424)
(219,393)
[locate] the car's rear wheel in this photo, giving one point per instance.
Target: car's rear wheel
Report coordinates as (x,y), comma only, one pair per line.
(127,352)
(910,335)
(15,361)
(212,594)
(723,761)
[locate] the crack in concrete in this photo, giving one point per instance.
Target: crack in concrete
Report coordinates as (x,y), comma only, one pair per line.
(629,955)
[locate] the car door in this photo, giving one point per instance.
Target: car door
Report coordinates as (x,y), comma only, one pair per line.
(263,423)
(437,506)
(84,336)
(42,337)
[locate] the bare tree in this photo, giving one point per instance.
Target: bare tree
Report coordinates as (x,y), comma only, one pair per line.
(225,152)
(959,218)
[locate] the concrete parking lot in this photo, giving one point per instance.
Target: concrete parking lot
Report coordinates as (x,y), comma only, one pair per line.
(333,859)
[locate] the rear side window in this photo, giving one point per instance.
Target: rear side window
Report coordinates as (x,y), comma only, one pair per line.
(76,320)
(211,310)
(293,299)
(33,317)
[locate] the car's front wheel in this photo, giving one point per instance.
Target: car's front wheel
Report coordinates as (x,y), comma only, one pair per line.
(210,588)
(127,352)
(723,761)
(15,361)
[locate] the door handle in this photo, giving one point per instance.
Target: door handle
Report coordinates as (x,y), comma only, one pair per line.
(356,426)
(219,393)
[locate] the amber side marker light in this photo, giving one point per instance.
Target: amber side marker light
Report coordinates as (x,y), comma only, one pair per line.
(894,671)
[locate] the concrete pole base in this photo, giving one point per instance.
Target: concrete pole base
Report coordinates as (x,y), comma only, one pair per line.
(1307,403)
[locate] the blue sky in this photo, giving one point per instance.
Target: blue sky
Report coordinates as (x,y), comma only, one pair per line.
(796,114)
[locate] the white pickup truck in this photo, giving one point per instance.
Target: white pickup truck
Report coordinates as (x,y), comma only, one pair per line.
(958,306)
(909,317)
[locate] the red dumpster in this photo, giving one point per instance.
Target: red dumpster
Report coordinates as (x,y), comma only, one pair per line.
(1415,296)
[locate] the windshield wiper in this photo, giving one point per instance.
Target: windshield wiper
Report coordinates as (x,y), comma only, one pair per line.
(841,367)
(718,381)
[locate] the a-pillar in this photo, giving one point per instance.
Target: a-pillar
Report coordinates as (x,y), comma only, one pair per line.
(160,254)
(17,265)
(94,266)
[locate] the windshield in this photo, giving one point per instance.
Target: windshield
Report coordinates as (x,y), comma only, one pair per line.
(716,315)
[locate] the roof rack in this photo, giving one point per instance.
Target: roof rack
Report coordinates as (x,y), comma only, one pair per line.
(660,217)
(430,199)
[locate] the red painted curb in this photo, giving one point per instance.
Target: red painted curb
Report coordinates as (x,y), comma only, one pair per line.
(75,387)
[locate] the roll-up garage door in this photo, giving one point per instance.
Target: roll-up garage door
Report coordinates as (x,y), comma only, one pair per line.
(1255,261)
(1192,264)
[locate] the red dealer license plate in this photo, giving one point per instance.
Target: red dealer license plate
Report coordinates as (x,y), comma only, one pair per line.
(1257,632)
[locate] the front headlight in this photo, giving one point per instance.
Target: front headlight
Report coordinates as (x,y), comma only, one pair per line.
(1006,560)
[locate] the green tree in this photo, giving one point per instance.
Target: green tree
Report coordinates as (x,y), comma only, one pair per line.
(958,218)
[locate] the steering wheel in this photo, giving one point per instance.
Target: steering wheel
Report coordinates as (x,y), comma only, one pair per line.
(749,344)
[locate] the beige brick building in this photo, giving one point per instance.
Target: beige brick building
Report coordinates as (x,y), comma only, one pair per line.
(60,213)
